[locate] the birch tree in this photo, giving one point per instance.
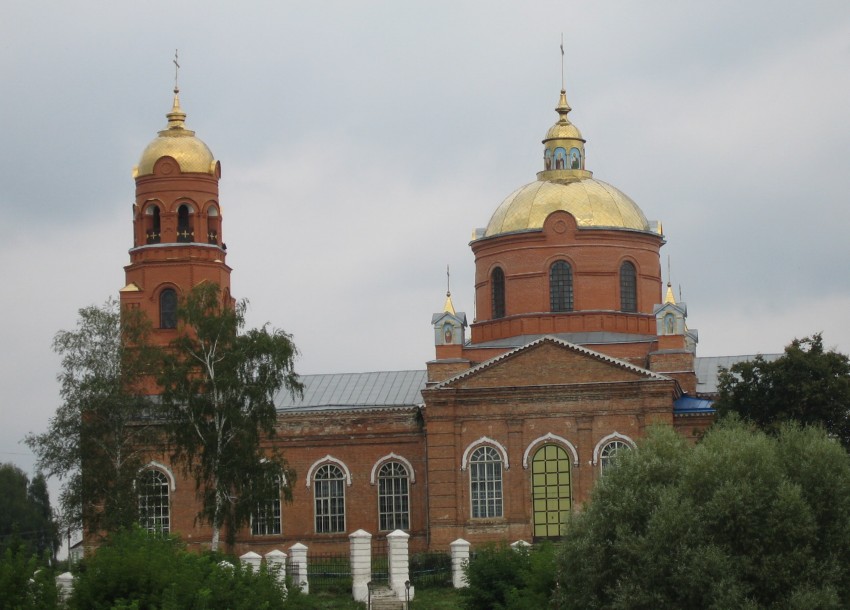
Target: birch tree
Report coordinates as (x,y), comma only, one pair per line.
(219,382)
(97,440)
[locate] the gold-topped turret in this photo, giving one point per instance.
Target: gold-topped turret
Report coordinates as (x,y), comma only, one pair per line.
(669,298)
(179,143)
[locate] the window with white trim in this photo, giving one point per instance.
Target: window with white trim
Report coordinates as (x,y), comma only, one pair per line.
(393,497)
(154,509)
(485,483)
(329,494)
(608,454)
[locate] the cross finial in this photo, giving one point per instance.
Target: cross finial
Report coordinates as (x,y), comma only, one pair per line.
(448,282)
(562,61)
(176,72)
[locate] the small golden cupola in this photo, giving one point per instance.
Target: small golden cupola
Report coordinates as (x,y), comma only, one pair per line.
(191,154)
(563,153)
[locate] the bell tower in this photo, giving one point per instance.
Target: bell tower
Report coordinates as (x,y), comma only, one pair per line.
(177,225)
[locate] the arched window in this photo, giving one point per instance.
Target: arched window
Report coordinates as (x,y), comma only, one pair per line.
(213,222)
(628,287)
(154,512)
(168,308)
(485,483)
(185,230)
(560,287)
(152,230)
(608,454)
(329,494)
(550,490)
(498,287)
(393,497)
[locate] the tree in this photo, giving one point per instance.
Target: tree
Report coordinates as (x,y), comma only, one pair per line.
(501,577)
(134,569)
(25,583)
(95,442)
(741,520)
(219,383)
(806,384)
(26,520)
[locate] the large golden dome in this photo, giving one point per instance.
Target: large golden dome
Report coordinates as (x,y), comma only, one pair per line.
(565,185)
(179,143)
(593,203)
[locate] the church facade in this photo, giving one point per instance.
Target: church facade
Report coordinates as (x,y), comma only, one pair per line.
(574,349)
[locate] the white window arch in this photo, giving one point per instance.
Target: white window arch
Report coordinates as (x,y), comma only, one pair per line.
(485,440)
(392,457)
(549,438)
(612,439)
(328,459)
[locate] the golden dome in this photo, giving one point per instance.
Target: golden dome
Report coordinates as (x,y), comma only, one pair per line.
(565,185)
(179,143)
(592,203)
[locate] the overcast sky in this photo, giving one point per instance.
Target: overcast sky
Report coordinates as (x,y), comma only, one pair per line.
(362,142)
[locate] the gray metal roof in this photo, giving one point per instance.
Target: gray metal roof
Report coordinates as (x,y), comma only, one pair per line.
(356,390)
(708,367)
(386,389)
(585,339)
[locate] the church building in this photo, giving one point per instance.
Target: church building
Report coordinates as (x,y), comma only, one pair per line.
(575,348)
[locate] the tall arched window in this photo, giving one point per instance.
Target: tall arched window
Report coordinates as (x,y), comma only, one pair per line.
(498,286)
(213,225)
(609,453)
(154,510)
(168,308)
(628,287)
(560,286)
(152,230)
(550,490)
(485,483)
(329,494)
(393,497)
(185,230)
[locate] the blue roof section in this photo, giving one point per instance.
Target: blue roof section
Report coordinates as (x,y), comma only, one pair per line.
(688,405)
(343,391)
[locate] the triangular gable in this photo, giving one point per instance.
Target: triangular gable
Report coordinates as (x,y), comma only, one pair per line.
(549,361)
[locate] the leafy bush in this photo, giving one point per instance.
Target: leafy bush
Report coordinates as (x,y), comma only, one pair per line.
(502,578)
(24,583)
(741,520)
(134,570)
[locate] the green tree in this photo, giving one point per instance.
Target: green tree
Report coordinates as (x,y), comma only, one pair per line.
(807,384)
(219,383)
(25,582)
(26,520)
(134,569)
(741,520)
(504,578)
(95,441)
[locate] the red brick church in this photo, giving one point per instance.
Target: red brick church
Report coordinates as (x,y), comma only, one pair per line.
(573,350)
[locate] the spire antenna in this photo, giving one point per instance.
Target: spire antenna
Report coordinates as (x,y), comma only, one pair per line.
(176,73)
(448,282)
(563,85)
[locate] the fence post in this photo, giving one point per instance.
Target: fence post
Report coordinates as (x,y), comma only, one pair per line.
(460,557)
(361,564)
(251,560)
(298,557)
(276,564)
(399,564)
(65,582)
(520,545)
